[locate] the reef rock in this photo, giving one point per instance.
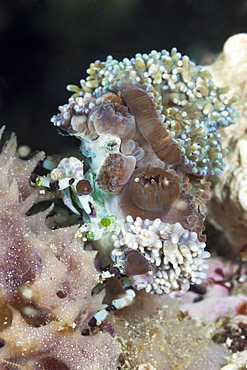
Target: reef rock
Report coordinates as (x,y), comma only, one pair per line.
(45,283)
(228,205)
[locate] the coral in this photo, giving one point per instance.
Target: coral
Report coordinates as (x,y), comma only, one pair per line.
(176,255)
(151,191)
(46,280)
(115,172)
(173,197)
(184,98)
(148,131)
(170,111)
(45,283)
(111,117)
(228,206)
(163,112)
(149,123)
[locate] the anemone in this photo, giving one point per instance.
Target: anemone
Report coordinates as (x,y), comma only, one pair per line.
(150,192)
(112,117)
(115,172)
(176,255)
(190,107)
(134,262)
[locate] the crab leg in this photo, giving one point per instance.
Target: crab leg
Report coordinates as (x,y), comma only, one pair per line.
(116,304)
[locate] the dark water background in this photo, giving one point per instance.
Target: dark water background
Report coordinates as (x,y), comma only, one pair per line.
(45,45)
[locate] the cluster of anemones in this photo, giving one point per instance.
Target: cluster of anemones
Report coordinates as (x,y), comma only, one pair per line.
(176,255)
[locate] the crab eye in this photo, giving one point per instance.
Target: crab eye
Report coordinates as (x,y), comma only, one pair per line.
(110,146)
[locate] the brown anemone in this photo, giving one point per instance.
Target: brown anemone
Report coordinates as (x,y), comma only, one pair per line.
(115,172)
(112,117)
(149,123)
(134,262)
(149,193)
(173,197)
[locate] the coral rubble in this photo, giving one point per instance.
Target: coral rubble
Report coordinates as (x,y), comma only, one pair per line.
(156,335)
